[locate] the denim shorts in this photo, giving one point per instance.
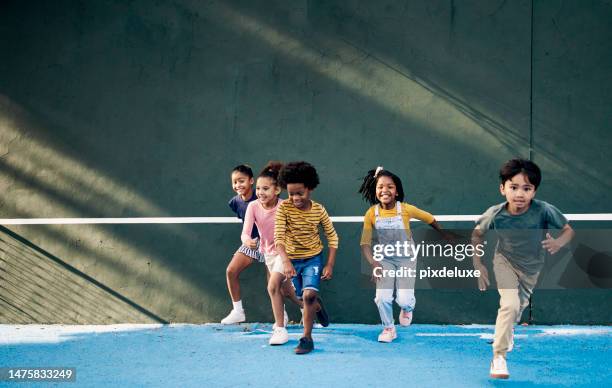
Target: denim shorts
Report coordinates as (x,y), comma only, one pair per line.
(308,274)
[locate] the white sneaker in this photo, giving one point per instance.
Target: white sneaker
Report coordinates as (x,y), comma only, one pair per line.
(234,317)
(286,320)
(279,337)
(387,335)
(405,317)
(499,369)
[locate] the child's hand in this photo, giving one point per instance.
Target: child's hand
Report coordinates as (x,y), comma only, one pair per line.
(251,243)
(450,237)
(328,271)
(483,279)
(288,269)
(551,245)
(375,265)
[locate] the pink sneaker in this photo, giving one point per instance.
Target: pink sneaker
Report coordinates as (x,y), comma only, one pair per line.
(405,317)
(387,335)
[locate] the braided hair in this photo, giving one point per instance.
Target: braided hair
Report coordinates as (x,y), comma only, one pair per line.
(368,187)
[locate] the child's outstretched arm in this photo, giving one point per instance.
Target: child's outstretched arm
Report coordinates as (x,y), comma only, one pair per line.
(366,243)
(328,270)
(483,279)
(247,227)
(552,245)
(429,219)
(288,268)
(332,241)
(434,224)
(366,250)
(280,229)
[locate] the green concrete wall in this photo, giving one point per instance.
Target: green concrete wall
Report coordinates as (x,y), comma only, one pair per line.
(134,109)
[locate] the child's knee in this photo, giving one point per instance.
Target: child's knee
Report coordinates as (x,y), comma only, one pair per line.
(510,304)
(231,271)
(310,297)
(405,301)
(273,288)
(286,289)
(275,284)
(383,299)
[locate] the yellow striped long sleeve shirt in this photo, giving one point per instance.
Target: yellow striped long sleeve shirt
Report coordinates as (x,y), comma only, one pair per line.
(298,230)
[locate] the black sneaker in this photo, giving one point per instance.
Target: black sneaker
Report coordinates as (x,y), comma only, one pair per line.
(305,346)
(322,316)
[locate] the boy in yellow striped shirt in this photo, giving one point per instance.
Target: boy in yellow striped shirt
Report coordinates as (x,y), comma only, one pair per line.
(297,241)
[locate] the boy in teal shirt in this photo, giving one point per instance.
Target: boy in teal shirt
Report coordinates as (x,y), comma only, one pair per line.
(519,257)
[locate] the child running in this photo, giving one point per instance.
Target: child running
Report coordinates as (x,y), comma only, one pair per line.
(261,214)
(297,241)
(242,183)
(518,257)
(390,218)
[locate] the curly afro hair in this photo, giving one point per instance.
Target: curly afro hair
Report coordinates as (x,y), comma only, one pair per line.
(298,172)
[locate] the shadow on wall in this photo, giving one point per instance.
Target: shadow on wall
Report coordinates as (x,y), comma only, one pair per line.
(36,286)
(59,185)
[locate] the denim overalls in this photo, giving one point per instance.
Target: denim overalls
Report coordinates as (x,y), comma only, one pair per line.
(390,230)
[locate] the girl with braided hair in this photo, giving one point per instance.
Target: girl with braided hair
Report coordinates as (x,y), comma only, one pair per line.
(389,217)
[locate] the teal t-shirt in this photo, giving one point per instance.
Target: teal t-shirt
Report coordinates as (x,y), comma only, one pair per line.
(520,236)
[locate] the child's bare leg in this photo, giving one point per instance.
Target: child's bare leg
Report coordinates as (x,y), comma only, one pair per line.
(289,292)
(239,262)
(276,298)
(310,309)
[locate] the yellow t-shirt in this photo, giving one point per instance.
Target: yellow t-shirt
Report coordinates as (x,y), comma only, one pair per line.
(298,230)
(408,212)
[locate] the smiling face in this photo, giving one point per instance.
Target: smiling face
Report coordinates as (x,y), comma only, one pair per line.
(299,195)
(242,184)
(518,192)
(386,192)
(267,191)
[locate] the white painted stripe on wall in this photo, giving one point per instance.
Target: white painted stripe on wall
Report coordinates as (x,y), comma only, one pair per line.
(234,220)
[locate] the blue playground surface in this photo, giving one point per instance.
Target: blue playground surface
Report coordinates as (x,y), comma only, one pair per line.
(345,355)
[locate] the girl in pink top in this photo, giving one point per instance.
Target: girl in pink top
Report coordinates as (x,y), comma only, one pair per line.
(261,213)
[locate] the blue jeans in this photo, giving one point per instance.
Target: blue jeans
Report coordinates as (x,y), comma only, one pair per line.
(308,274)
